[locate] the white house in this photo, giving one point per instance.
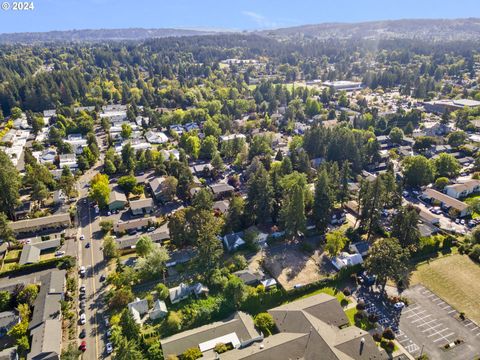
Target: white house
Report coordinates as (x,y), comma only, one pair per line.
(462,190)
(346,259)
(156,137)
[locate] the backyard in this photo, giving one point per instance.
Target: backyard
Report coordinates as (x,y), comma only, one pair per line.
(453,278)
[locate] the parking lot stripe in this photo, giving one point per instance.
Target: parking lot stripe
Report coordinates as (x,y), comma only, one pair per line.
(421,319)
(452,311)
(429,296)
(416,314)
(410,309)
(446,307)
(426,323)
(470,324)
(438,332)
(445,337)
(431,328)
(437,299)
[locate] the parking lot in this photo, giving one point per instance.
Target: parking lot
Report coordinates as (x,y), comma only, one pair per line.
(426,325)
(431,323)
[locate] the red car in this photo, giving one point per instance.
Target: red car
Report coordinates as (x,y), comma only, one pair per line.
(83,346)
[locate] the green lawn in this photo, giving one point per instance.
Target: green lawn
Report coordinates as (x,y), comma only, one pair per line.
(364,324)
(327,290)
(13,254)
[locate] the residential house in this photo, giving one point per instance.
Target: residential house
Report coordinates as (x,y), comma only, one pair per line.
(177,128)
(77,142)
(9,354)
(447,202)
(462,190)
(231,137)
(46,323)
(159,310)
(57,221)
(117,200)
(360,247)
(167,154)
(156,137)
(249,277)
(157,187)
(68,160)
(221,190)
(138,308)
(182,291)
(141,206)
(234,241)
(8,319)
(135,224)
(345,259)
(221,207)
(31,252)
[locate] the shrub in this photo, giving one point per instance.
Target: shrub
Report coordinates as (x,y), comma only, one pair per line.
(373,318)
(174,321)
(389,346)
(388,334)
(377,337)
(361,305)
(239,262)
(475,253)
(347,292)
(264,322)
(221,348)
(192,354)
(162,291)
(358,316)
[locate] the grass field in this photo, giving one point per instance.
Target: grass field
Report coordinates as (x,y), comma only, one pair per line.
(13,255)
(455,279)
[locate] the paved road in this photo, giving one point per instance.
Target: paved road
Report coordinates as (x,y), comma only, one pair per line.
(92,258)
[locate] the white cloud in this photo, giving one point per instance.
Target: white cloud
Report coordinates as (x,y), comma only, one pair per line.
(260,20)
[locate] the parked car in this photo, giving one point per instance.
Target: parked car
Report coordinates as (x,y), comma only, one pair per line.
(399,305)
(87,245)
(83,333)
(83,346)
(102,277)
(83,288)
(59,253)
(82,304)
(83,319)
(82,237)
(109,348)
(82,271)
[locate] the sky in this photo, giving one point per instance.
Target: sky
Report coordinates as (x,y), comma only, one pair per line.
(236,15)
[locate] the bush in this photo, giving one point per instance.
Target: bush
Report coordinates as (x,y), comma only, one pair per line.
(388,334)
(377,337)
(389,346)
(475,253)
(221,348)
(265,323)
(347,292)
(162,291)
(192,354)
(361,305)
(239,262)
(358,316)
(174,321)
(373,318)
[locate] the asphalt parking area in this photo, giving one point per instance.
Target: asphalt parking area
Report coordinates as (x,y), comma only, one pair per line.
(430,323)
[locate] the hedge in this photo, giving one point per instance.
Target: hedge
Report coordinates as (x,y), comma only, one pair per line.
(41,265)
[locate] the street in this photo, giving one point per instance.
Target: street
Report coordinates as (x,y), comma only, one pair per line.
(91,258)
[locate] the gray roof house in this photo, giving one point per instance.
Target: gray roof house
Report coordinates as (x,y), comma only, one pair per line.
(159,310)
(182,291)
(233,241)
(142,206)
(46,324)
(138,308)
(31,252)
(7,320)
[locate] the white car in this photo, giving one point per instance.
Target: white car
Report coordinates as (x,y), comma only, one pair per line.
(82,271)
(82,237)
(399,305)
(83,319)
(83,288)
(109,348)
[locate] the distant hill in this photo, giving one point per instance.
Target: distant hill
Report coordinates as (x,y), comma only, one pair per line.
(425,29)
(97,35)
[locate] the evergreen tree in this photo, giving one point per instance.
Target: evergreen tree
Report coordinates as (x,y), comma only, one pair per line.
(259,196)
(322,201)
